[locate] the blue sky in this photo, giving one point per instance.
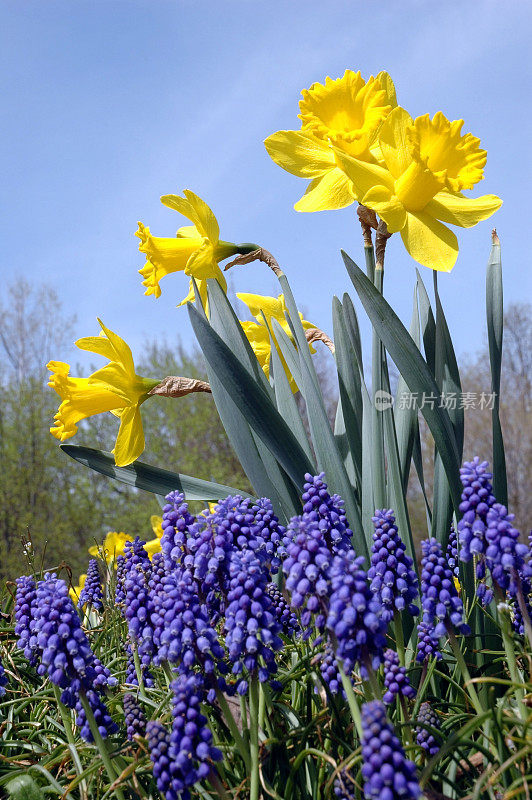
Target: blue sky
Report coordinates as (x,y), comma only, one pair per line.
(108,104)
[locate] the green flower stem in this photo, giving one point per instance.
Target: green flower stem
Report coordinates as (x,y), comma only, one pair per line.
(377,357)
(524,610)
(138,670)
(509,649)
(464,670)
(100,744)
(170,676)
(233,727)
(217,784)
(399,639)
(67,724)
(254,738)
(373,682)
(405,719)
(351,701)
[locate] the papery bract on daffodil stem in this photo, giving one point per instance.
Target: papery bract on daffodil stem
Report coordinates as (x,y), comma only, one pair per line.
(347,113)
(264,309)
(194,250)
(115,388)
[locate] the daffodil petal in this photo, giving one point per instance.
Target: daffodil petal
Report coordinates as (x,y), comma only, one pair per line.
(387,206)
(463,211)
(387,84)
(270,306)
(363,175)
(130,440)
(202,264)
(188,232)
(115,379)
(97,344)
(300,154)
(393,141)
(429,242)
(328,193)
(122,350)
(206,223)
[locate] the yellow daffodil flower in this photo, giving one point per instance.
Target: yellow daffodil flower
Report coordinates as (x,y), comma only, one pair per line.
(75,591)
(156,525)
(112,546)
(153,546)
(345,113)
(195,250)
(115,388)
(427,164)
(258,334)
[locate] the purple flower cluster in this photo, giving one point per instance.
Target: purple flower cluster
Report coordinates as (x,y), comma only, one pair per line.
(426,719)
(329,671)
(395,678)
(120,594)
(327,511)
(486,531)
(442,607)
(344,786)
(24,600)
(138,605)
(59,643)
(251,624)
(355,620)
(91,595)
(307,568)
(393,578)
(134,717)
(452,552)
(386,772)
(427,643)
(183,756)
(183,633)
(283,612)
(176,523)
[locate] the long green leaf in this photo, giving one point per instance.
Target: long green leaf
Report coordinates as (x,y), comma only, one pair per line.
(428,324)
(151,479)
(495,320)
(405,412)
(329,457)
(252,400)
(350,389)
(414,369)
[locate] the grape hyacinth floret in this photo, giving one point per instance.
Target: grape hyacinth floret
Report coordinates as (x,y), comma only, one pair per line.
(452,552)
(191,751)
(344,786)
(427,718)
(442,607)
(24,600)
(120,593)
(139,602)
(283,612)
(176,523)
(395,678)
(307,570)
(91,595)
(328,511)
(391,574)
(427,643)
(251,624)
(329,671)
(134,717)
(65,654)
(159,745)
(355,619)
(387,773)
(505,555)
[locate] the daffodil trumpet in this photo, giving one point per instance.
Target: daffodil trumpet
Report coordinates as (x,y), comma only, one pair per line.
(195,250)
